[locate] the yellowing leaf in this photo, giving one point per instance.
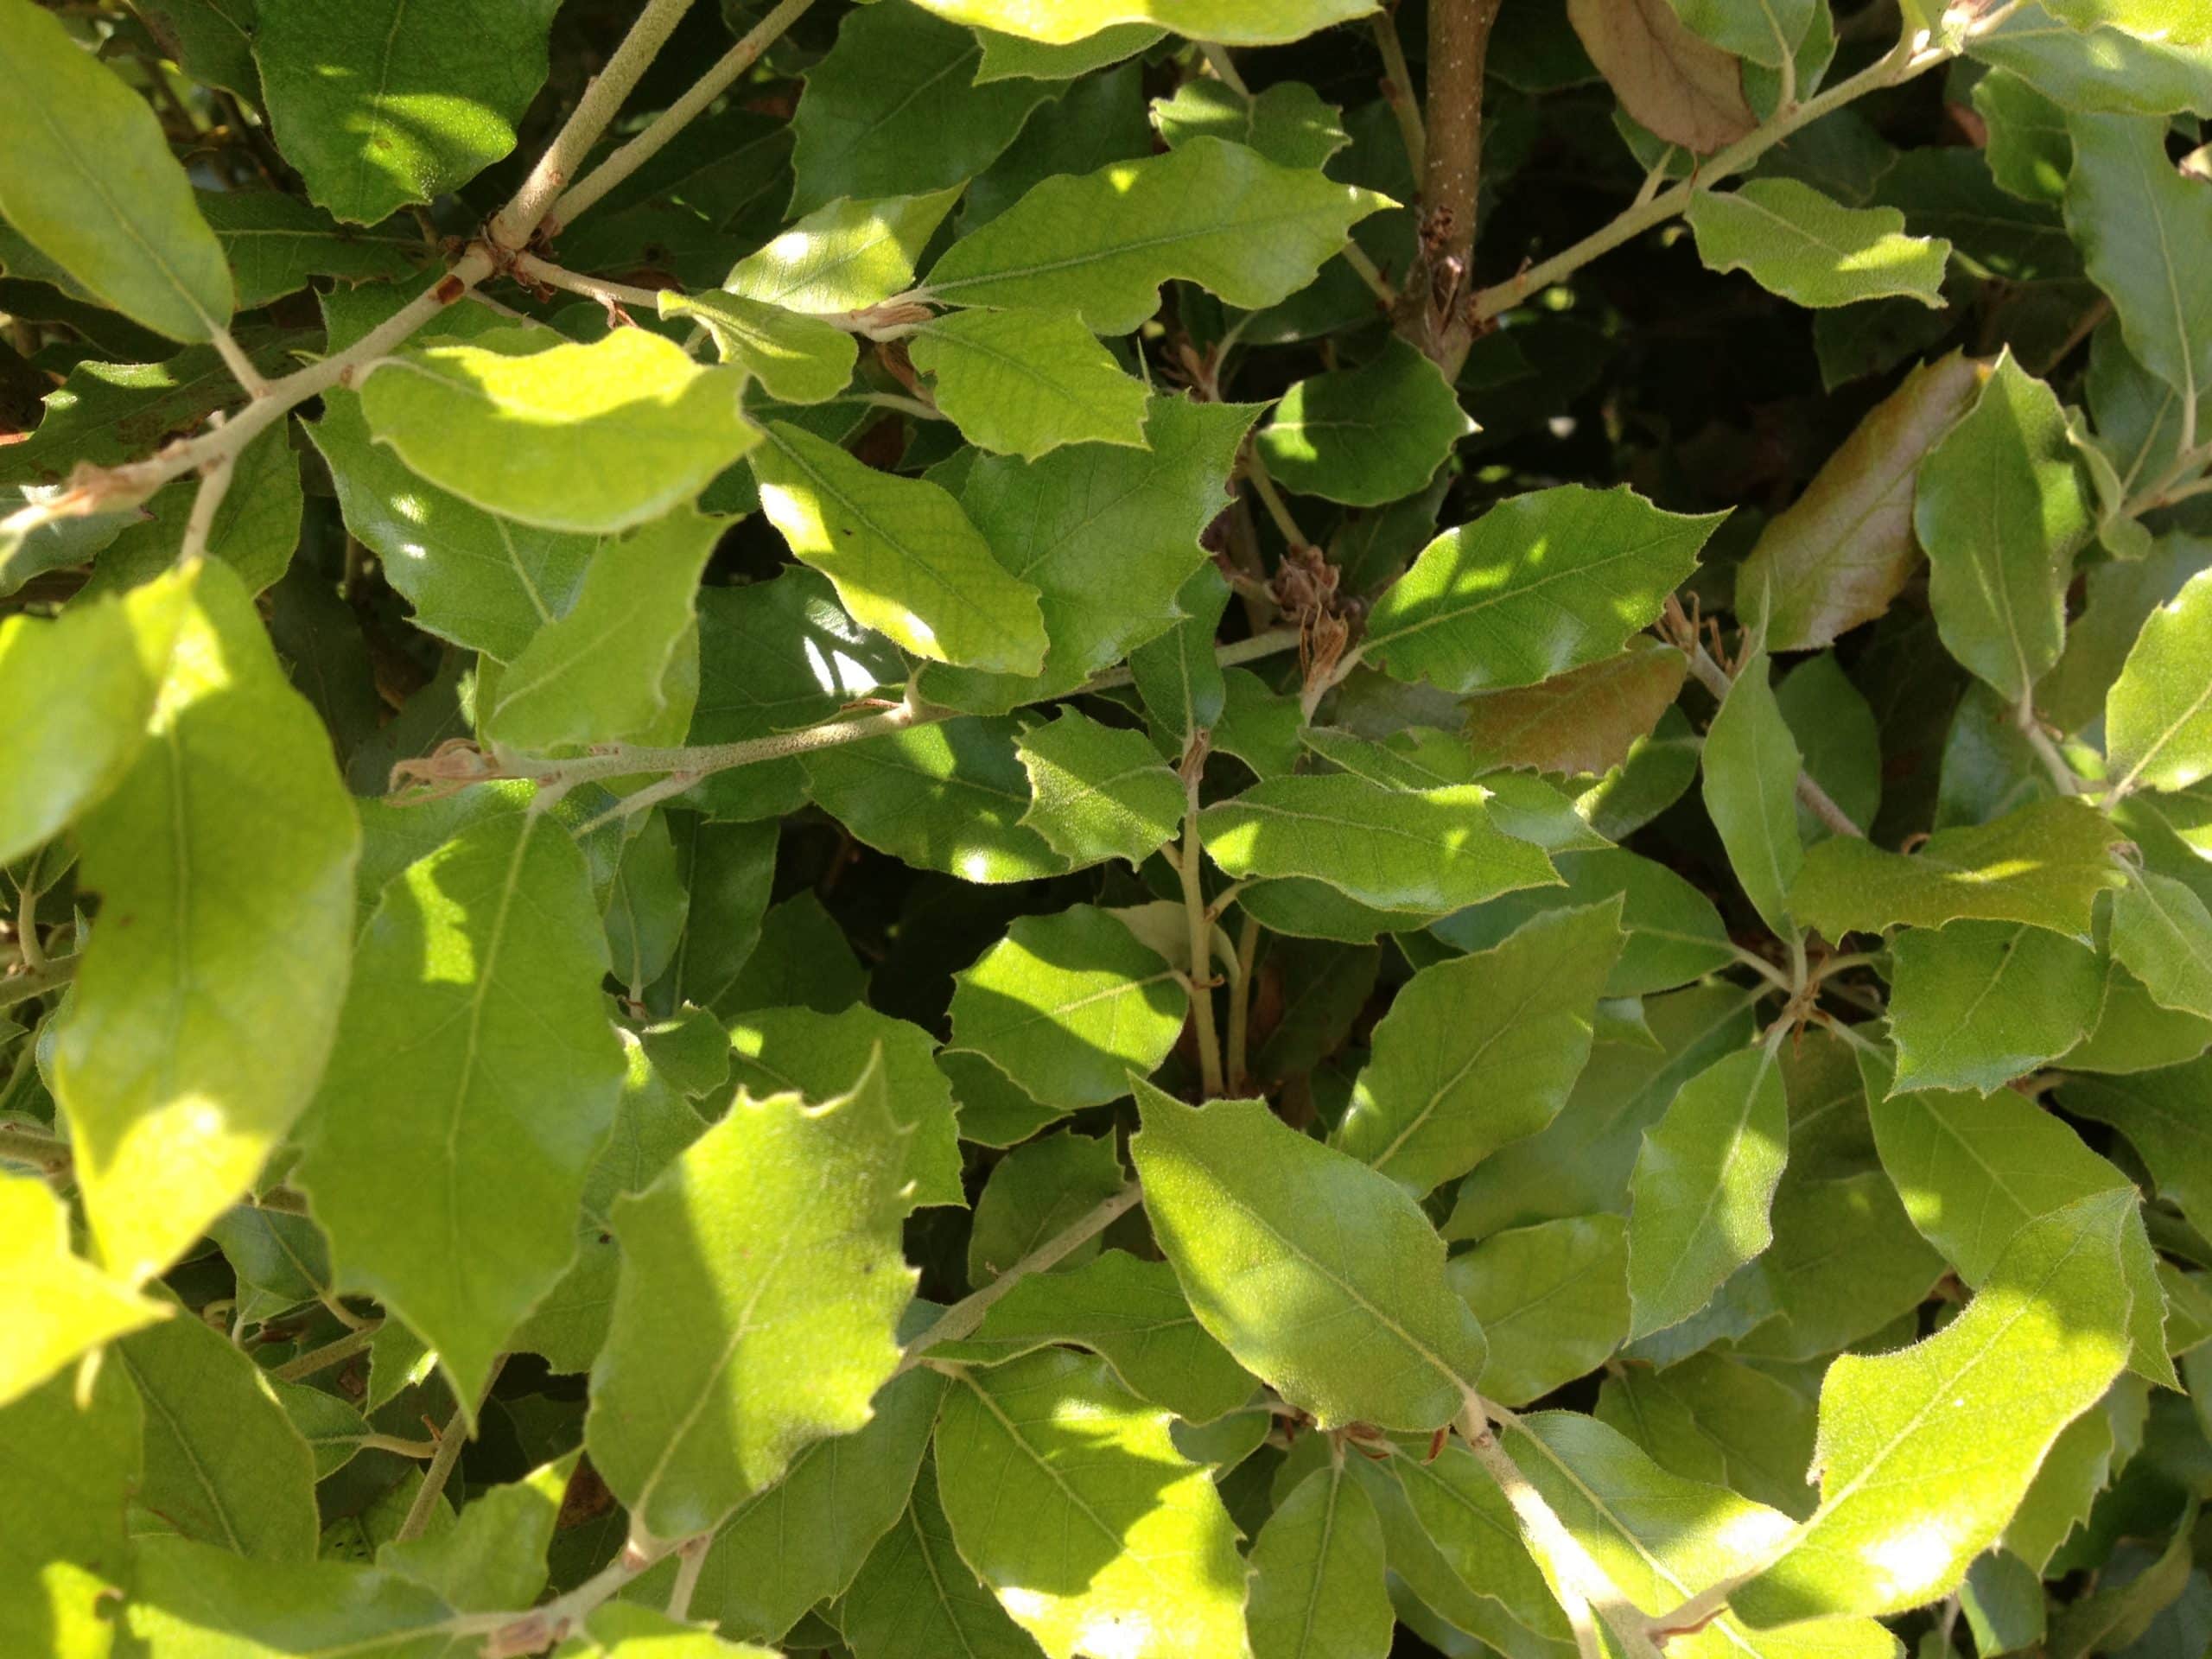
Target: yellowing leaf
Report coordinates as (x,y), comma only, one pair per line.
(1025,382)
(1233,22)
(57,1306)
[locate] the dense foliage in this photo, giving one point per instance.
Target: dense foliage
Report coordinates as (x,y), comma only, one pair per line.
(1159,828)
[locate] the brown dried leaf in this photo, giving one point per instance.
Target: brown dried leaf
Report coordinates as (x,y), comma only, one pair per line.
(1844,547)
(1582,721)
(1682,87)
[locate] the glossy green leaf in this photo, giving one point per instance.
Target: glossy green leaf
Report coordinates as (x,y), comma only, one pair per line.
(1322,1277)
(475,1024)
(2001,509)
(1540,583)
(1751,763)
(1067,1498)
(2158,716)
(2162,931)
(2043,865)
(386,103)
(1976,1004)
(1068,1005)
(1703,1181)
(1364,435)
(761,1282)
(86,173)
(1553,1300)
(1796,241)
(797,359)
(906,559)
(843,256)
(1481,1050)
(1925,1454)
(1318,1583)
(229,844)
(1015,55)
(949,796)
(190,1600)
(1022,382)
(1210,213)
(1099,791)
(1233,22)
(58,1305)
(523,432)
(915,1595)
(1721,1423)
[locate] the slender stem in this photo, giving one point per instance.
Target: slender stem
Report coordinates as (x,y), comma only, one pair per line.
(2061,774)
(1188,867)
(1356,256)
(641,800)
(1767,970)
(1271,643)
(514,224)
(690,1562)
(1398,88)
(37,981)
(530,268)
(619,760)
(21,1144)
(396,1446)
(1240,1000)
(454,1436)
(28,894)
(330,1354)
(508,1635)
(648,143)
(1255,474)
(1817,800)
(214,485)
(963,1316)
(240,365)
(1217,60)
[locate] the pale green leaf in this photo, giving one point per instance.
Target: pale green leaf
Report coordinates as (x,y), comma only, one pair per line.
(1796,241)
(1925,1454)
(528,434)
(596,673)
(2159,715)
(1704,1177)
(1973,1005)
(1481,1050)
(916,1596)
(1287,123)
(1015,57)
(843,256)
(1068,1005)
(797,359)
(1540,583)
(191,1601)
(476,1026)
(2162,1115)
(1768,31)
(2002,509)
(621,1629)
(86,173)
(68,1460)
(761,1282)
(1233,23)
(1553,1300)
(210,991)
(1450,1534)
(2161,930)
(1068,1499)
(1751,763)
(56,1305)
(1025,382)
(1210,212)
(1364,435)
(1098,791)
(255,531)
(1719,1422)
(1317,1587)
(1433,849)
(494,1556)
(2043,865)
(1844,1262)
(1835,728)
(906,559)
(223,1464)
(386,103)
(1130,1313)
(1323,1278)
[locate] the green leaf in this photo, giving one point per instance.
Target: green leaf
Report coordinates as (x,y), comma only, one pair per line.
(1433,850)
(761,1283)
(255,531)
(1364,435)
(494,1556)
(2043,865)
(1014,57)
(57,1305)
(1925,1454)
(1210,213)
(597,672)
(1022,382)
(1719,1422)
(190,1601)
(949,796)
(1108,535)
(1068,1005)
(1751,763)
(68,1460)
(1232,23)
(2161,1112)
(1287,123)
(1068,1499)
(525,432)
(1586,720)
(1833,726)
(915,1595)
(1450,1533)
(1481,1050)
(2134,217)
(384,104)
(86,173)
(223,1464)
(1132,1315)
(1098,791)
(1317,1580)
(1844,1262)
(797,359)
(275,244)
(1322,1277)
(1176,674)
(1973,1172)
(995,1110)
(1036,1193)
(1768,31)
(843,256)
(1702,1184)
(2161,930)
(893,110)
(475,1024)
(1540,583)
(181,1058)
(1976,1004)
(1553,1300)
(2001,509)
(2159,715)
(904,558)
(1796,241)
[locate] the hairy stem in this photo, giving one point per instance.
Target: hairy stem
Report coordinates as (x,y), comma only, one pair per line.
(531,269)
(1451,175)
(214,485)
(1398,88)
(331,1353)
(1240,1001)
(1189,866)
(55,973)
(21,1144)
(454,1436)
